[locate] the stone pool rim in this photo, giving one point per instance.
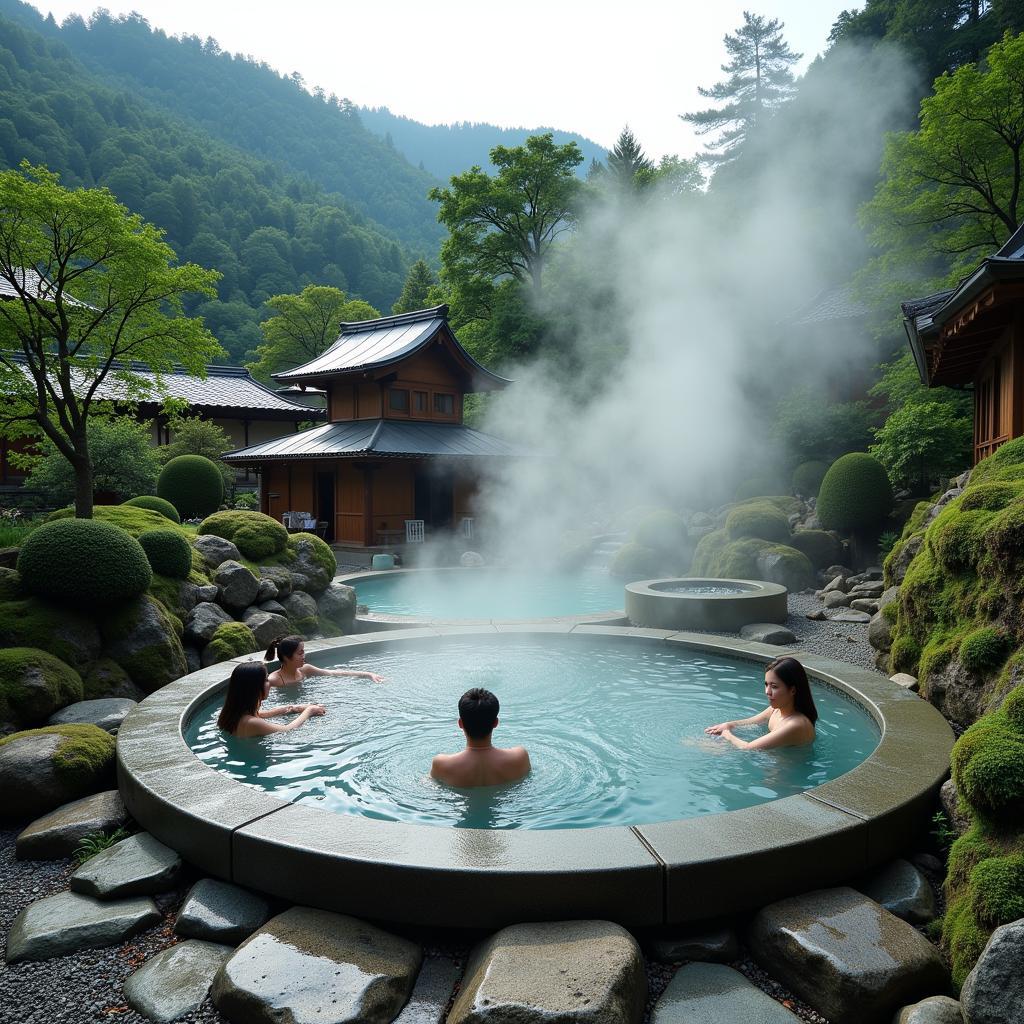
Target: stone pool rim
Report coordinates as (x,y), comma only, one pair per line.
(671,872)
(649,603)
(371,621)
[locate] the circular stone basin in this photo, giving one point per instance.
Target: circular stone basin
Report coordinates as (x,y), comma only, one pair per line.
(643,874)
(716,604)
(409,596)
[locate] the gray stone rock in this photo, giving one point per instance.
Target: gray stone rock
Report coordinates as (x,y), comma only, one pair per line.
(817,616)
(778,568)
(279,576)
(147,645)
(994,991)
(273,606)
(580,971)
(880,633)
(865,604)
(713,994)
(902,890)
(267,590)
(888,596)
(337,606)
(176,980)
(301,958)
(207,592)
(872,574)
(193,658)
(432,992)
(716,945)
(106,678)
(216,550)
(900,562)
(68,922)
(107,713)
(929,863)
(266,626)
(237,587)
(836,585)
(906,680)
(933,1010)
(845,955)
(959,819)
(849,615)
(835,599)
(307,573)
(768,633)
(221,912)
(874,590)
(58,833)
(137,866)
(837,570)
(202,623)
(301,609)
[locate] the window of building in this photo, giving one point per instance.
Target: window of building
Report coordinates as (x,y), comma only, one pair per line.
(444,404)
(398,400)
(419,401)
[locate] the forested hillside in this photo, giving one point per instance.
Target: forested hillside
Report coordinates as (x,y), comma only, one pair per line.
(265,215)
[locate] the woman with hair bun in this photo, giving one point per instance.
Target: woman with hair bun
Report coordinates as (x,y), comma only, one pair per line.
(790,714)
(291,650)
(242,714)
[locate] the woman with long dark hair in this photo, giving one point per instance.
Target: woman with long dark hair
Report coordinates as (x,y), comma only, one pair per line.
(790,714)
(291,650)
(242,714)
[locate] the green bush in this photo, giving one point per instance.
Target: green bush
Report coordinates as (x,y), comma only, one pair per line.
(807,478)
(257,536)
(247,502)
(634,561)
(169,553)
(155,504)
(905,654)
(130,518)
(988,769)
(855,493)
(757,520)
(192,484)
(231,640)
(34,684)
(85,563)
(983,649)
(821,548)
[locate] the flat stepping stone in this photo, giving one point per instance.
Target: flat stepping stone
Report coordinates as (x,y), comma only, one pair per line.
(714,994)
(993,992)
(902,890)
(137,866)
(108,713)
(580,971)
(933,1010)
(431,994)
(68,922)
(175,981)
(717,945)
(221,912)
(312,965)
(845,955)
(767,633)
(849,615)
(58,833)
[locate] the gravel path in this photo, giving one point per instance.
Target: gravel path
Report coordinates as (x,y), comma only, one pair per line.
(86,986)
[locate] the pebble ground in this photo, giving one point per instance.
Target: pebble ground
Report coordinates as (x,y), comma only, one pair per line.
(86,986)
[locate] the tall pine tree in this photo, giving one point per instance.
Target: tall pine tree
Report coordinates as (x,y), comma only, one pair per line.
(416,290)
(628,166)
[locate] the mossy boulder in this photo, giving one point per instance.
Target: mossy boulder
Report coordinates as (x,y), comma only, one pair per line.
(230,640)
(144,639)
(256,535)
(129,518)
(855,494)
(168,552)
(807,478)
(69,635)
(192,484)
(155,504)
(988,770)
(41,769)
(635,562)
(106,678)
(35,684)
(302,611)
(1005,463)
(983,649)
(10,584)
(309,561)
(821,547)
(758,519)
(782,564)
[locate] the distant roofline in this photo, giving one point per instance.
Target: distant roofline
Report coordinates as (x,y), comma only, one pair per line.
(396,319)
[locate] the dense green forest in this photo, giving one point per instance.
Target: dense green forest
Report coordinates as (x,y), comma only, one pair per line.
(221,153)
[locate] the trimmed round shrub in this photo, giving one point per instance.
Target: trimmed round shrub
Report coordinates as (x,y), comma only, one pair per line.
(130,518)
(169,553)
(84,563)
(807,478)
(983,649)
(821,548)
(763,521)
(155,504)
(34,684)
(855,493)
(988,769)
(231,640)
(663,531)
(634,561)
(192,484)
(257,536)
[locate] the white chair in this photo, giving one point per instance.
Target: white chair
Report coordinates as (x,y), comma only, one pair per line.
(286,520)
(414,531)
(466,527)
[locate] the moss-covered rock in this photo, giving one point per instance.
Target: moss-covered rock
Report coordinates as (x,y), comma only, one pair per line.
(635,562)
(155,504)
(989,497)
(720,557)
(1002,464)
(988,770)
(757,520)
(855,493)
(106,678)
(784,503)
(35,684)
(71,636)
(983,649)
(144,640)
(168,552)
(192,484)
(256,535)
(230,640)
(309,561)
(126,517)
(821,547)
(10,584)
(786,566)
(807,478)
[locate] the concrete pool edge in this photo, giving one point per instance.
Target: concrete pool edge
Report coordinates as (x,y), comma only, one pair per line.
(670,872)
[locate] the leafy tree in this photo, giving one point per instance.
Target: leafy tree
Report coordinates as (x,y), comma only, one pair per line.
(192,435)
(923,441)
(628,167)
(124,461)
(759,81)
(416,291)
(503,226)
(810,427)
(303,326)
(95,288)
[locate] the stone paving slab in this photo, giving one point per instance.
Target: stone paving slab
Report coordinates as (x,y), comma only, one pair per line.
(58,833)
(431,994)
(221,912)
(715,994)
(176,980)
(137,866)
(68,922)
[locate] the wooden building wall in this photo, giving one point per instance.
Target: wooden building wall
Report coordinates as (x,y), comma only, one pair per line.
(999,395)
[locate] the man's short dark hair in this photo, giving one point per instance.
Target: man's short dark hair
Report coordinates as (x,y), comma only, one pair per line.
(478,709)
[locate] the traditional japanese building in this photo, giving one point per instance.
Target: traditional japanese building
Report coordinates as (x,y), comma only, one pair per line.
(395,448)
(972,337)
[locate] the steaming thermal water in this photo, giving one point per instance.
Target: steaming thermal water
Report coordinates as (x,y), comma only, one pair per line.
(491,594)
(704,589)
(615,735)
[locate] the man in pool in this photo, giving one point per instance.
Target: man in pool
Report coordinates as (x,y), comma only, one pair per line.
(481,763)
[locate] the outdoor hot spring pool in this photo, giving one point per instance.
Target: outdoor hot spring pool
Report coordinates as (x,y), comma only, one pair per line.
(615,734)
(488,593)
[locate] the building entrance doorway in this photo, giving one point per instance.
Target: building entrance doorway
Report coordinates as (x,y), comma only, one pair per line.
(434,497)
(325,504)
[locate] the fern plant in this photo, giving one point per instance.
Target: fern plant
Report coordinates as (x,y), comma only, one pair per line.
(97,842)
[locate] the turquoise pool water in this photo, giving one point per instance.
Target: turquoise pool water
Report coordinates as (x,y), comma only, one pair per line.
(615,734)
(491,593)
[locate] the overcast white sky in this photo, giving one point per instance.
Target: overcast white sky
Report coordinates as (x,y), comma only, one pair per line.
(588,66)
